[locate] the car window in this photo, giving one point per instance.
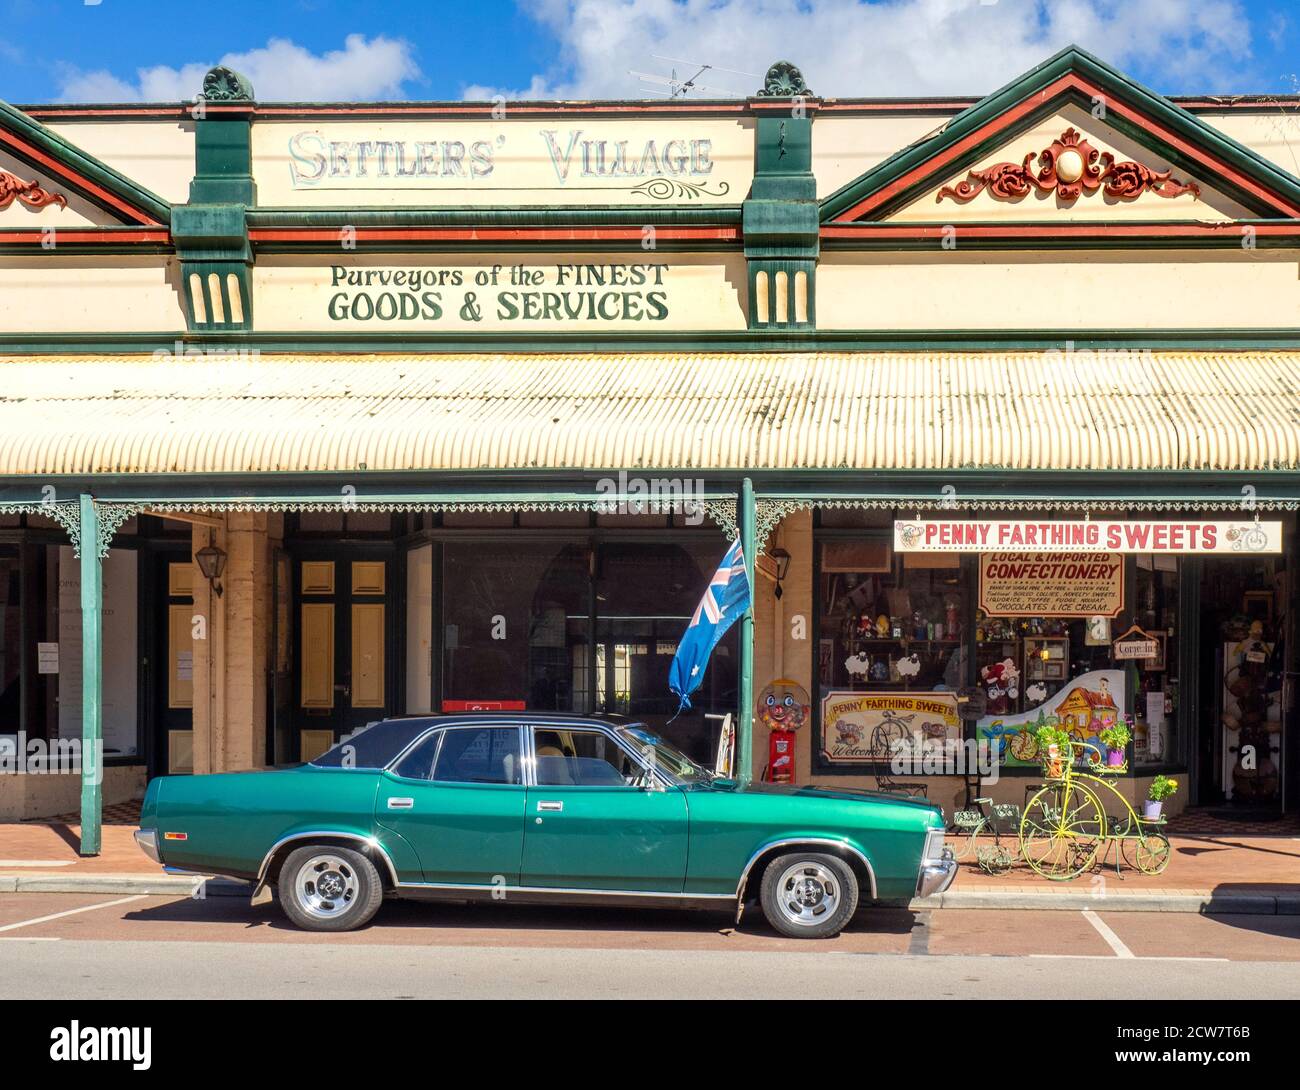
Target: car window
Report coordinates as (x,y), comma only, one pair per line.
(582,758)
(478,755)
(418,764)
(374,745)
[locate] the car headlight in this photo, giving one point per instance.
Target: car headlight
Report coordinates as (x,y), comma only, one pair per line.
(934,845)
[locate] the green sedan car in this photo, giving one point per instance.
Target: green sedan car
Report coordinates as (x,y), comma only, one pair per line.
(540,807)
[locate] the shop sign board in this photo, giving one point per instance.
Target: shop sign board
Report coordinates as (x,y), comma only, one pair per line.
(1064,585)
(628,292)
(1070,535)
(1136,644)
(868,727)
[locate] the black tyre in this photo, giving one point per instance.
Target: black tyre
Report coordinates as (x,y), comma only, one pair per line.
(325,888)
(807,895)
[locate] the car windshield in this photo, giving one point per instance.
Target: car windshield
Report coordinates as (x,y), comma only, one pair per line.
(666,758)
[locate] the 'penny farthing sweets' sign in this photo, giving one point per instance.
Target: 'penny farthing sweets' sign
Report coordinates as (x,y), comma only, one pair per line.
(1071,535)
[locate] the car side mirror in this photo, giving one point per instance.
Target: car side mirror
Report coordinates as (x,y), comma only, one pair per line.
(647,781)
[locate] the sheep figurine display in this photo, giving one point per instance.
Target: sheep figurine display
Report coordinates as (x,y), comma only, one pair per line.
(858,665)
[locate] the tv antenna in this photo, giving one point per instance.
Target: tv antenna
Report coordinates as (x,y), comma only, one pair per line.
(673,87)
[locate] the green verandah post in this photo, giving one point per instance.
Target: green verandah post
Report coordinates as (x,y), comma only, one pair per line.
(92,733)
(745,699)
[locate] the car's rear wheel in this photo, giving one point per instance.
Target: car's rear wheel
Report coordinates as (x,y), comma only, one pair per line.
(325,888)
(807,895)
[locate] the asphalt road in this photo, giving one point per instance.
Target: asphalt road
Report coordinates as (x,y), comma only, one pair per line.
(88,946)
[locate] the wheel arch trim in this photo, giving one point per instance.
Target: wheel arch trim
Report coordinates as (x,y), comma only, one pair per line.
(334,834)
(807,841)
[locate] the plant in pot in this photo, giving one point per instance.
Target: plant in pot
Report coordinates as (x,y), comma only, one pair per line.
(1161,788)
(1055,748)
(1115,738)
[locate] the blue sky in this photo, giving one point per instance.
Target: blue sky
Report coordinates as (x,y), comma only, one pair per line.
(113,50)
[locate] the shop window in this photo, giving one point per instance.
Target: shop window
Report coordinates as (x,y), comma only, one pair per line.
(513,616)
(889,623)
(646,594)
(120,665)
(11,623)
(1156,737)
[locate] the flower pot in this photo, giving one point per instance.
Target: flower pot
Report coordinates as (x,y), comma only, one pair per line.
(1055,768)
(1151,809)
(1114,757)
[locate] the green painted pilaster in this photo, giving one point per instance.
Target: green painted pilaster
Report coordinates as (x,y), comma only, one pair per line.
(92,727)
(745,699)
(211,231)
(781,217)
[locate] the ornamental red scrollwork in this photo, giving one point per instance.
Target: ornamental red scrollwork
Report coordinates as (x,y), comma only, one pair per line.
(1069,167)
(29,193)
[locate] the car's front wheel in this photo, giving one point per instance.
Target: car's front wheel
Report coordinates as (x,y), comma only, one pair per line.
(807,895)
(324,888)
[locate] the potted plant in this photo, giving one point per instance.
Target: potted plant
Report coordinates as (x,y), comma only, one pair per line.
(1115,738)
(1055,748)
(1161,788)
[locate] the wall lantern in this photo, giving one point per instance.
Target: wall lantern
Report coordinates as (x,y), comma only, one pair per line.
(212,562)
(782,559)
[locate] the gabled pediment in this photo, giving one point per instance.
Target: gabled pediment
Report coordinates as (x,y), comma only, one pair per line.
(47,181)
(1073,140)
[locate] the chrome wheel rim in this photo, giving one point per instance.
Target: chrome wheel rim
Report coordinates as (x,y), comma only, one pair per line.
(326,887)
(808,893)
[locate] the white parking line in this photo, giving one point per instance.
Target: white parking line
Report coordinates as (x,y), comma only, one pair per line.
(1112,939)
(72,912)
(36,863)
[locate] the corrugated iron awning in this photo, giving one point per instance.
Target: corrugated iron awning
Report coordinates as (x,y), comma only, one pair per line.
(1007,410)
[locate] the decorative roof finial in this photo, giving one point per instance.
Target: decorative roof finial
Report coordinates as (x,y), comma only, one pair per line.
(783,80)
(223,84)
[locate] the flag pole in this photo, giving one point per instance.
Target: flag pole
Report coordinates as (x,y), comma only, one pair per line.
(745,698)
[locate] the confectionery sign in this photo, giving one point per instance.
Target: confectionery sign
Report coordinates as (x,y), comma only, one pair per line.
(1056,585)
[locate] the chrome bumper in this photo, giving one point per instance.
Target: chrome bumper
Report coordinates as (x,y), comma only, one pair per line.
(936,875)
(147,840)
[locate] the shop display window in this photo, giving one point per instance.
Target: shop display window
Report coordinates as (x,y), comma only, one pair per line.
(889,622)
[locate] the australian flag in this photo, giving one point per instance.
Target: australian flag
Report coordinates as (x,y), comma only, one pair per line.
(725,600)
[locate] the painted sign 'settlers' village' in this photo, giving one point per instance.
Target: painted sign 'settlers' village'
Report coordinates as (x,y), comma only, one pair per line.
(317,159)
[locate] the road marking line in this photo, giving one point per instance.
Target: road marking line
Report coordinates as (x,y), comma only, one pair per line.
(1112,939)
(72,912)
(36,862)
(1111,957)
(29,938)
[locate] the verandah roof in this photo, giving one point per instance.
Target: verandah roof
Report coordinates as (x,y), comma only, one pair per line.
(867,411)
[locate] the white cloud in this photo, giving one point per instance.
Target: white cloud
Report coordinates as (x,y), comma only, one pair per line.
(885,48)
(364,69)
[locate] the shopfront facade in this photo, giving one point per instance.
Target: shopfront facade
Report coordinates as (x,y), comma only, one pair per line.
(322,413)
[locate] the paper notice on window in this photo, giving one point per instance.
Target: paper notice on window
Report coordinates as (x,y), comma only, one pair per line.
(47,658)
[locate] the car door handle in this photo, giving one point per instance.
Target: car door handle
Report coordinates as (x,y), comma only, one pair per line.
(552,806)
(401,804)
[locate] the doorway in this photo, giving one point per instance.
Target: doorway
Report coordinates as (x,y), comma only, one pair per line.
(1243,657)
(343,623)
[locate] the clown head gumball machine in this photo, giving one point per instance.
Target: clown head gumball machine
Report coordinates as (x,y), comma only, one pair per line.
(783,707)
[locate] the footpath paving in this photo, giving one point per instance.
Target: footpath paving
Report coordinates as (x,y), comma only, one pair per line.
(1257,875)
